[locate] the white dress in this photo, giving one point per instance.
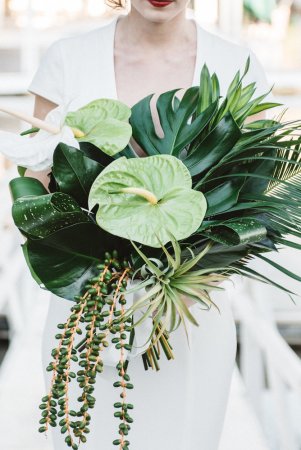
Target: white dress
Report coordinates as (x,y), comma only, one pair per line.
(181,407)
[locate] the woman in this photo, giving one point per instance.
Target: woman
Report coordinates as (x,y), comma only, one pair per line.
(153,49)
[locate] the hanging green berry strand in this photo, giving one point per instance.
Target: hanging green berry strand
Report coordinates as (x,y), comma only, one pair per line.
(61,378)
(90,359)
(88,308)
(122,343)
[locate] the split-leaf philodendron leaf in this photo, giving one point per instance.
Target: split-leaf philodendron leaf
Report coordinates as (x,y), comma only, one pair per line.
(104,123)
(147,200)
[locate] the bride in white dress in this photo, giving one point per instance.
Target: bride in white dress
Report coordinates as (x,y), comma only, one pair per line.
(154,48)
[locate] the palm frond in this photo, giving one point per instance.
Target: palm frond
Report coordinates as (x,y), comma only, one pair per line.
(287,173)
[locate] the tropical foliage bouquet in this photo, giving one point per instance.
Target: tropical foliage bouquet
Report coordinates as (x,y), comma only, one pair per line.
(212,193)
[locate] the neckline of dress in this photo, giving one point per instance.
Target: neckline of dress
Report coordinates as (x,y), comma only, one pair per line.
(195,81)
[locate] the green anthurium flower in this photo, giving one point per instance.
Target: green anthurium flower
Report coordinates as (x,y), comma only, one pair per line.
(147,200)
(104,123)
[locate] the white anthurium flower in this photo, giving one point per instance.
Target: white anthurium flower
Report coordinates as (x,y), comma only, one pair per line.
(36,153)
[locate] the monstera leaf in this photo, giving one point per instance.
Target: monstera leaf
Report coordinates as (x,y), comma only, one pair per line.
(104,123)
(174,117)
(148,199)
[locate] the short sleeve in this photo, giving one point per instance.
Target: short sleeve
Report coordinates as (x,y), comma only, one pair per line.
(48,81)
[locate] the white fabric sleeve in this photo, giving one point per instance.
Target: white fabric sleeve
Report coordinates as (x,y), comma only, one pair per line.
(48,80)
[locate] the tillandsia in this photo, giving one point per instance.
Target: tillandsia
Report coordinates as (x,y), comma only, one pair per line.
(216,191)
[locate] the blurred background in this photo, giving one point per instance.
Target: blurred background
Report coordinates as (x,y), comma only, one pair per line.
(265,403)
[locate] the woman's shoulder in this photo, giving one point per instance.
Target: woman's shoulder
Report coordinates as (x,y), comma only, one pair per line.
(74,63)
(225,57)
(86,40)
(218,43)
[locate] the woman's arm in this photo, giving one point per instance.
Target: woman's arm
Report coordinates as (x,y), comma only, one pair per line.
(42,107)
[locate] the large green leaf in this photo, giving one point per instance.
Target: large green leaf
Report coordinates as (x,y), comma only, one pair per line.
(223,197)
(104,123)
(40,216)
(63,243)
(238,232)
(174,117)
(216,145)
(261,167)
(64,260)
(164,204)
(74,172)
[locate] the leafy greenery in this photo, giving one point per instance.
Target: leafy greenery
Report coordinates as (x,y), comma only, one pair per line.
(167,285)
(61,236)
(174,117)
(74,172)
(213,193)
(249,174)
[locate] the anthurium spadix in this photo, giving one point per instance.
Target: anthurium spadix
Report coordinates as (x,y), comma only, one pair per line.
(103,122)
(147,200)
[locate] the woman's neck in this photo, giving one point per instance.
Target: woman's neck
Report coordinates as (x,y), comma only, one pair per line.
(135,28)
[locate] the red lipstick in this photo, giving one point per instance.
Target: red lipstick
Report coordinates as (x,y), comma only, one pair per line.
(160,4)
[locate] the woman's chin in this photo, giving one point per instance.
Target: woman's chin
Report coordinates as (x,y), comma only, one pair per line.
(151,12)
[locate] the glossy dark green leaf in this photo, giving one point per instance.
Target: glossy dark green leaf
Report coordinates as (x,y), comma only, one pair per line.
(64,260)
(94,153)
(223,197)
(40,216)
(243,231)
(261,167)
(63,243)
(173,120)
(74,172)
(216,145)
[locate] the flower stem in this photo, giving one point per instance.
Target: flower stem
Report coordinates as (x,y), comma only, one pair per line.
(34,121)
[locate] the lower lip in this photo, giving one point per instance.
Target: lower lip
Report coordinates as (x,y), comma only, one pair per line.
(159,4)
